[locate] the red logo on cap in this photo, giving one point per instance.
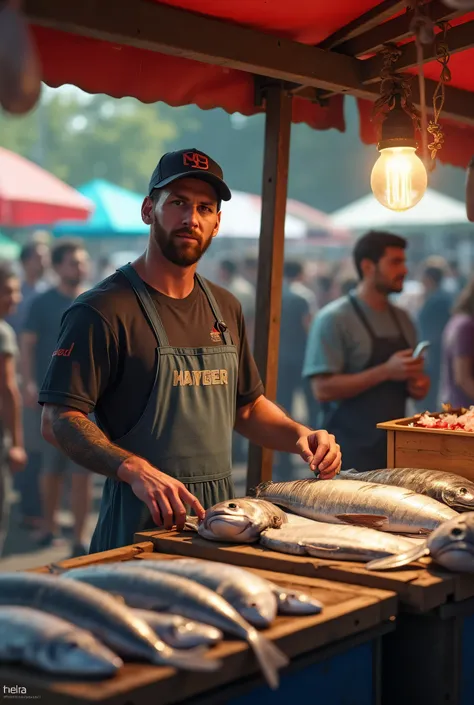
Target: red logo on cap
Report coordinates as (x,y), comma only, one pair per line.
(196,160)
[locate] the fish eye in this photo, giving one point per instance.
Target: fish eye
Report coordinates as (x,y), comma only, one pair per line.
(457,532)
(462,490)
(232,505)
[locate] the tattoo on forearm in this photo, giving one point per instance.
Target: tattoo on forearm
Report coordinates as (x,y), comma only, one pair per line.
(86,445)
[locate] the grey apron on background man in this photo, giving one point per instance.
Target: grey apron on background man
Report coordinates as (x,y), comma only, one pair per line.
(354,421)
(185,430)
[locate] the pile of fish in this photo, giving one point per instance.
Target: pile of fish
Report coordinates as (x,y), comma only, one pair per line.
(376,517)
(166,612)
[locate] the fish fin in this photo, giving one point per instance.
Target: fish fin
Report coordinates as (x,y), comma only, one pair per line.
(349,473)
(269,657)
(262,486)
(371,521)
(400,559)
(191,524)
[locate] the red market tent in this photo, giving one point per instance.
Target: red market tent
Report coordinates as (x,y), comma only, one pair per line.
(161,51)
(29,195)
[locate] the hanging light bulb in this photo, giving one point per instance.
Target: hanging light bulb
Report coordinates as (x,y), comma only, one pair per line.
(399,177)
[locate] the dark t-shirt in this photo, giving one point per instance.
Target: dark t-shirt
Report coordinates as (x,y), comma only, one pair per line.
(108,351)
(293,335)
(44,319)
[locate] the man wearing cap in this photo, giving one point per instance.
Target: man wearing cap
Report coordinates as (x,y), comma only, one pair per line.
(161,357)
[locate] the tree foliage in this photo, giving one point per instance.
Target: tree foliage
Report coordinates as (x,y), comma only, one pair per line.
(80,137)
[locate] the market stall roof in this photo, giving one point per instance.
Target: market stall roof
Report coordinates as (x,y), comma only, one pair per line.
(241,217)
(117,212)
(159,50)
(29,195)
(434,209)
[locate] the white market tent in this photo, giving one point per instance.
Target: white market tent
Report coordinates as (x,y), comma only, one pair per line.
(434,209)
(241,218)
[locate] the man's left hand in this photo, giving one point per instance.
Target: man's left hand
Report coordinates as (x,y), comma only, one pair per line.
(419,386)
(320,450)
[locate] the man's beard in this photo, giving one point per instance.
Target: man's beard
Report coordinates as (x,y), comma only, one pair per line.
(385,287)
(183,253)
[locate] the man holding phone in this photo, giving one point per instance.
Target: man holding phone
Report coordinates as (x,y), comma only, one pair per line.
(360,357)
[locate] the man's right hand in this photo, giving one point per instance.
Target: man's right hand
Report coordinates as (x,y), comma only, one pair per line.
(402,366)
(30,395)
(164,496)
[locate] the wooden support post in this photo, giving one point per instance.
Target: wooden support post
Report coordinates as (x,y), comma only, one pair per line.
(270,259)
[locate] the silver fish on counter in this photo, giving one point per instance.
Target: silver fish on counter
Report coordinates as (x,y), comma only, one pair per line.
(180,632)
(359,503)
(51,644)
(240,520)
(255,598)
(251,596)
(446,487)
(451,545)
(178,595)
(92,609)
(337,541)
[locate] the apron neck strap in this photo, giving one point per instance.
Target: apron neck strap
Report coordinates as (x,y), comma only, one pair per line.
(363,317)
(220,325)
(146,302)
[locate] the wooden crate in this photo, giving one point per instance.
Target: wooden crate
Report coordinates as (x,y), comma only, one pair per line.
(346,635)
(431,448)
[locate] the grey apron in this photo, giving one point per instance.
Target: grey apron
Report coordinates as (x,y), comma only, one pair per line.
(185,429)
(354,421)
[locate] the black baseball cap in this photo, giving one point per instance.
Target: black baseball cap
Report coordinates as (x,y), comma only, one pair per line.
(189,163)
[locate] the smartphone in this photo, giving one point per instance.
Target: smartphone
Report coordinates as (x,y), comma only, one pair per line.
(421,348)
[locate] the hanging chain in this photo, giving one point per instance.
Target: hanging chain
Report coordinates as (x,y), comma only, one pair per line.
(442,56)
(391,85)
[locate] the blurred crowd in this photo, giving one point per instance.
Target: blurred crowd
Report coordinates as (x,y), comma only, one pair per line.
(37,290)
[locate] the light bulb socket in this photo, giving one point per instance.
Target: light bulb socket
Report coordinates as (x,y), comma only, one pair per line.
(397,129)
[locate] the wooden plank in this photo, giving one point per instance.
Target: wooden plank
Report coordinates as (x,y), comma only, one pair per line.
(459,38)
(417,588)
(373,17)
(348,611)
(124,553)
(435,452)
(395,30)
(391,449)
(271,254)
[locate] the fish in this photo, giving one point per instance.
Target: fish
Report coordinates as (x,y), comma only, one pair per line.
(453,490)
(295,602)
(180,632)
(53,645)
(178,595)
(250,595)
(256,599)
(90,608)
(451,546)
(337,541)
(240,520)
(358,503)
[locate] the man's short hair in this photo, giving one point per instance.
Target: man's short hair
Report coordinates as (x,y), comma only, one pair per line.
(29,250)
(65,247)
(372,246)
(229,266)
(6,272)
(292,269)
(435,273)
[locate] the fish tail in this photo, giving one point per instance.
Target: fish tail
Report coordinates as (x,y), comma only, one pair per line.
(193,660)
(269,657)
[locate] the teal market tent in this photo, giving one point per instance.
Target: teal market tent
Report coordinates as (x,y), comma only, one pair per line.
(117,212)
(9,249)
